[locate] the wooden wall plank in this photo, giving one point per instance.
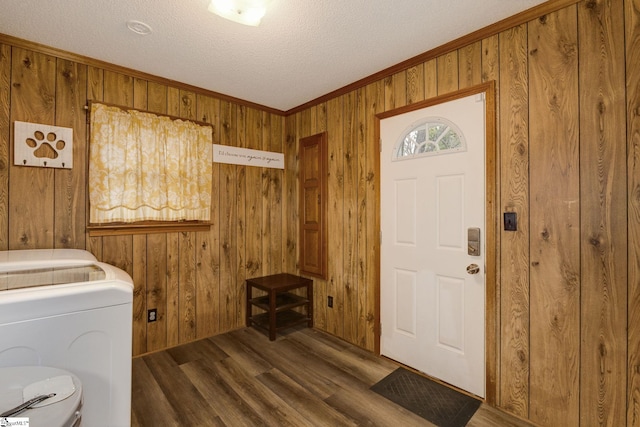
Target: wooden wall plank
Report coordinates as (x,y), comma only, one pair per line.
(95,92)
(173,289)
(490,72)
(272,204)
(156,291)
(70,197)
(470,65)
(31,189)
(118,89)
(415,84)
(242,218)
(374,95)
(139,276)
(514,197)
(318,125)
(399,83)
(208,305)
(350,137)
(157,98)
(603,201)
(362,233)
(253,197)
(430,79)
(186,286)
(555,219)
(229,317)
(632,59)
(5,133)
(491,59)
(447,67)
(290,198)
(335,216)
(187,243)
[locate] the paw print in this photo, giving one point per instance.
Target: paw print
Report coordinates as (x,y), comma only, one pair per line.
(43,145)
(45,149)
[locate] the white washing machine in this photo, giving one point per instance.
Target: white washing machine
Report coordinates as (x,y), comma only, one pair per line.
(62,308)
(21,384)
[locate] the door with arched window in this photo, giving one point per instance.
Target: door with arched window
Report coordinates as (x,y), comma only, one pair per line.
(432,212)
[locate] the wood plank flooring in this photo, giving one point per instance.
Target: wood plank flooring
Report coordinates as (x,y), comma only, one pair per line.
(304,378)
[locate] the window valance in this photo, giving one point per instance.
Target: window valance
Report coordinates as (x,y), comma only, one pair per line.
(147,167)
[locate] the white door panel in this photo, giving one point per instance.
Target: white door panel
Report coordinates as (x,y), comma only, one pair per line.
(432,310)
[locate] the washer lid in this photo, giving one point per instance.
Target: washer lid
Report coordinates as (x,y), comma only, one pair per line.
(45,276)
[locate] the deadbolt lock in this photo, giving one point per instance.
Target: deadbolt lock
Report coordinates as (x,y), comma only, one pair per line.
(473,241)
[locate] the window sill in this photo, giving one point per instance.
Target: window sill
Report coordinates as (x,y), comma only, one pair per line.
(97,230)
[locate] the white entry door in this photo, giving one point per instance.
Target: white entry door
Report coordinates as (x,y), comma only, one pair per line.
(432,194)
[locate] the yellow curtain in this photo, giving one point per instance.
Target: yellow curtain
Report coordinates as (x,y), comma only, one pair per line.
(144,167)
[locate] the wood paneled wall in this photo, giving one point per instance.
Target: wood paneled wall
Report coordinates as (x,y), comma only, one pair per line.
(568,134)
(195,280)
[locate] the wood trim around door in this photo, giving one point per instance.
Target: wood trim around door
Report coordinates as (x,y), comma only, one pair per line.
(491,224)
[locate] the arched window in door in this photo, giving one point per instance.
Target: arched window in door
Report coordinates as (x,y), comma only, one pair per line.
(429,137)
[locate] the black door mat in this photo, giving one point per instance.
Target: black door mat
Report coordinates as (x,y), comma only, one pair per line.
(434,402)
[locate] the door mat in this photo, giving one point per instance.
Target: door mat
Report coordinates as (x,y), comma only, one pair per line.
(434,402)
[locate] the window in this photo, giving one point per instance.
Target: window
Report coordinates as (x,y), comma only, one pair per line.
(145,167)
(429,137)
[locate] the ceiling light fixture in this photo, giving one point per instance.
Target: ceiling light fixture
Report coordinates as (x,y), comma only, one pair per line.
(247,12)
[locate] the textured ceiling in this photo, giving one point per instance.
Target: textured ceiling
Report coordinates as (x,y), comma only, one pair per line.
(302,50)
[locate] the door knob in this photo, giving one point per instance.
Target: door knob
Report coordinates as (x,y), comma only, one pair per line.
(473,269)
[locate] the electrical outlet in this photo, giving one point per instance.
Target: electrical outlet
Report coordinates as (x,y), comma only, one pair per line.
(152,315)
(330,301)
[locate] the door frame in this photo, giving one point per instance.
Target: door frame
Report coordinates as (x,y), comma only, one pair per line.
(491,224)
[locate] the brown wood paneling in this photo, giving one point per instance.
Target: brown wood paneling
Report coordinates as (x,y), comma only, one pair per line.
(70,199)
(555,219)
(173,289)
(447,68)
(430,79)
(490,59)
(156,291)
(157,98)
(139,276)
(514,197)
(253,197)
(335,227)
(229,303)
(95,91)
(5,133)
(272,204)
(603,229)
(374,99)
(362,234)
(241,228)
(350,135)
(118,89)
(208,305)
(632,50)
(186,287)
(415,84)
(31,189)
(470,65)
(399,83)
(490,66)
(290,199)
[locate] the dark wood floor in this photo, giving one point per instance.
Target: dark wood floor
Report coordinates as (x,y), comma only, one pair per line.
(305,378)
